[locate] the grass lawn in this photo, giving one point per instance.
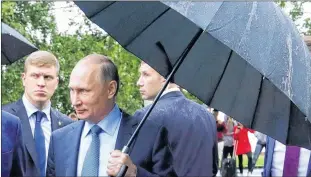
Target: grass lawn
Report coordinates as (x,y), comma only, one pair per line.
(259,163)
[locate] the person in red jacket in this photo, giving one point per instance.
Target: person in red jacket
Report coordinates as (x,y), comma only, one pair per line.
(242,145)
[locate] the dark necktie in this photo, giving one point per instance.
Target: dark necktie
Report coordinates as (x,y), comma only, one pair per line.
(291,162)
(91,161)
(40,142)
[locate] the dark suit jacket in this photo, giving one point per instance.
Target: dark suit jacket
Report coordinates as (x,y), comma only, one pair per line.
(149,152)
(269,158)
(58,120)
(12,154)
(191,134)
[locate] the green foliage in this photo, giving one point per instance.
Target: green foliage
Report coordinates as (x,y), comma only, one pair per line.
(25,18)
(296,13)
(307,25)
(69,49)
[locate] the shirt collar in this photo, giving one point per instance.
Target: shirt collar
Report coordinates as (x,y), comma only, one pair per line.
(170,90)
(31,109)
(109,124)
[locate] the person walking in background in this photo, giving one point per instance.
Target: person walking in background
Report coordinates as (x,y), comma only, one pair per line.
(243,145)
(261,143)
(228,139)
(221,130)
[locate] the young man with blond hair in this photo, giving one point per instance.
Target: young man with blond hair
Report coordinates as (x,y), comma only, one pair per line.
(38,118)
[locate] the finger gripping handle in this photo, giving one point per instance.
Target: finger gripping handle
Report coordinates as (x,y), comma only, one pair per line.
(123,168)
(122,171)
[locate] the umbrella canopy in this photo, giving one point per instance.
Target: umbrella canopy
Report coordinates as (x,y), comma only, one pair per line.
(249,60)
(13,45)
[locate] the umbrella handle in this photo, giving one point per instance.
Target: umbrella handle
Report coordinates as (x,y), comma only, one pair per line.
(122,171)
(125,149)
(123,168)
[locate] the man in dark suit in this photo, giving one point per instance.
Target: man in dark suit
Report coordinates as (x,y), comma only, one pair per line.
(12,154)
(281,160)
(38,118)
(191,128)
(87,147)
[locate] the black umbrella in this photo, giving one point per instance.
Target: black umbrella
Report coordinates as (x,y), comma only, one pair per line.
(13,45)
(246,59)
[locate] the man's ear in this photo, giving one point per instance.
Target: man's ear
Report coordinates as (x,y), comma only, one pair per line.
(163,80)
(23,77)
(112,89)
(56,85)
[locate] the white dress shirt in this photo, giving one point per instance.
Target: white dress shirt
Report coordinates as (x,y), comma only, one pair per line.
(168,90)
(279,158)
(45,122)
(110,125)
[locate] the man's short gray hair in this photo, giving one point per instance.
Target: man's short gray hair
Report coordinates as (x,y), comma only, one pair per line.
(108,70)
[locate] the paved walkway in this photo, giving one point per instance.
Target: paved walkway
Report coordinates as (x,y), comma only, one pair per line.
(256,172)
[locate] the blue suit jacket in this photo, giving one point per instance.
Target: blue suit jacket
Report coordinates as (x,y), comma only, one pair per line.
(269,158)
(149,152)
(191,133)
(58,120)
(12,154)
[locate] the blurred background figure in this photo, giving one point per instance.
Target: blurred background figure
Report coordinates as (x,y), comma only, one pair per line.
(73,116)
(221,129)
(243,145)
(261,143)
(228,138)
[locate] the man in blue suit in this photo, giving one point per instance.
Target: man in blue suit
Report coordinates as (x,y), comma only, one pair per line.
(191,128)
(87,147)
(281,160)
(38,118)
(12,154)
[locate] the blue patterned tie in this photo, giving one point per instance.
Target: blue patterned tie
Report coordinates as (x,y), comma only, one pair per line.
(91,161)
(40,142)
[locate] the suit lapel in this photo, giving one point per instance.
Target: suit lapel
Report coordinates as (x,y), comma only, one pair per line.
(27,133)
(127,128)
(71,154)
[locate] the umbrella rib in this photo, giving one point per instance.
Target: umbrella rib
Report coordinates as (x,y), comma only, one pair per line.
(222,74)
(101,10)
(128,43)
(167,61)
(252,120)
(288,127)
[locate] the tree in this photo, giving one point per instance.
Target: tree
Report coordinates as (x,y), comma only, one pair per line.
(69,49)
(296,11)
(27,18)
